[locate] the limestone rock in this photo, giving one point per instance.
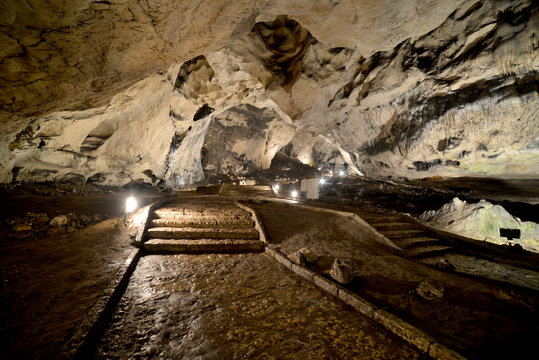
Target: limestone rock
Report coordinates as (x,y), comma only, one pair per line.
(114,92)
(38,218)
(70,219)
(61,55)
(303,256)
(444,264)
(253,137)
(310,257)
(344,270)
(60,220)
(22,227)
(85,219)
(482,221)
(430,291)
(297,258)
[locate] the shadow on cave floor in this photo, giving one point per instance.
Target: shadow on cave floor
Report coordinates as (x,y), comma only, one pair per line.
(52,275)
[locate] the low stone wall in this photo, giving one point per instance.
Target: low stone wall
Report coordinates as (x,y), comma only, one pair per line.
(402,329)
(392,323)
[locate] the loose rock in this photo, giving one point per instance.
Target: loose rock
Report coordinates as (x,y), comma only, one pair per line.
(85,219)
(309,256)
(430,291)
(444,264)
(297,257)
(22,227)
(61,220)
(343,270)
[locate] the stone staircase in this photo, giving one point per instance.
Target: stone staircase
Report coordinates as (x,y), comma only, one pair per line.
(245,191)
(202,225)
(414,239)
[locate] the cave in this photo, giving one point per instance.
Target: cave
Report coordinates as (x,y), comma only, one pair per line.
(326,179)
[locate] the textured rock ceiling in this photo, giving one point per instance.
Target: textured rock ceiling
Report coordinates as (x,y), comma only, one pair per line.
(176,91)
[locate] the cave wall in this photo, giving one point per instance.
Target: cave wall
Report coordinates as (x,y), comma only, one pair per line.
(464,94)
(73,55)
(114,91)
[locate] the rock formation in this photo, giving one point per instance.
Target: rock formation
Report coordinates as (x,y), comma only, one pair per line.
(114,91)
(482,221)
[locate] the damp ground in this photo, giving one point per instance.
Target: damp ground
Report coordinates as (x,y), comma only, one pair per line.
(475,316)
(51,277)
(237,306)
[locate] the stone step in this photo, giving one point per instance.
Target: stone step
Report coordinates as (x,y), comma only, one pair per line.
(428,251)
(401,234)
(245,190)
(197,222)
(374,219)
(395,226)
(202,246)
(202,233)
(407,243)
(201,207)
(165,213)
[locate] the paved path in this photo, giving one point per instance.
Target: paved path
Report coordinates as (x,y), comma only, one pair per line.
(237,306)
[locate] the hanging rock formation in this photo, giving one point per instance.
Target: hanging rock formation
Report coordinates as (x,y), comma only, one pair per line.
(115,91)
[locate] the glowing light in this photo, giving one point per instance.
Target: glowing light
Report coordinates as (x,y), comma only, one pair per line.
(322,181)
(130,204)
(294,194)
(341,173)
(276,187)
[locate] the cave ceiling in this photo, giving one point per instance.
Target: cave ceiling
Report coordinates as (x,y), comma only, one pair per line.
(176,91)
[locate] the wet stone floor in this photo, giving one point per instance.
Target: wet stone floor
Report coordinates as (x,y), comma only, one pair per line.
(236,306)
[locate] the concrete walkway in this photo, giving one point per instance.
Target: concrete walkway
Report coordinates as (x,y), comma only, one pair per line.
(237,306)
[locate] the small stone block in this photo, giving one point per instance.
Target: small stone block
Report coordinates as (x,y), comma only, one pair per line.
(283,260)
(326,285)
(306,273)
(358,303)
(440,352)
(404,330)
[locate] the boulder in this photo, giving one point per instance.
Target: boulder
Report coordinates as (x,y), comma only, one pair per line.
(344,270)
(482,221)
